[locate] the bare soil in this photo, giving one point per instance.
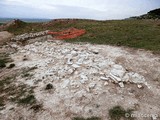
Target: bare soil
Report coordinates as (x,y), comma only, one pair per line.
(79,90)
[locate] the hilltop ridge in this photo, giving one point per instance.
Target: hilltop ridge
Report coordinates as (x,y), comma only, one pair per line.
(153,14)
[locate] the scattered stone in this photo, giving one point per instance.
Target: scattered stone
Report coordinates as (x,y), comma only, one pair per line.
(84,78)
(118,71)
(74,53)
(65,83)
(139,86)
(154,117)
(104,78)
(136,78)
(69,61)
(95,51)
(92,85)
(115,78)
(28,36)
(105,83)
(121,84)
(70,71)
(88,89)
(75,66)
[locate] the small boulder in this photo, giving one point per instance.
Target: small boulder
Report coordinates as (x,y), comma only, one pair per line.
(121,84)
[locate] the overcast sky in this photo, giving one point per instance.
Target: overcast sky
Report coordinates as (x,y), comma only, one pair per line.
(89,9)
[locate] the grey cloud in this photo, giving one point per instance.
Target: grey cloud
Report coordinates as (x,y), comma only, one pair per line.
(90,9)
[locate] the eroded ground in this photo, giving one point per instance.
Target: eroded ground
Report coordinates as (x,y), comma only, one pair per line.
(85,80)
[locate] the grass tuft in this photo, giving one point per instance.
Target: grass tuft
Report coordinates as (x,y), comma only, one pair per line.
(30,99)
(117,112)
(91,118)
(2,63)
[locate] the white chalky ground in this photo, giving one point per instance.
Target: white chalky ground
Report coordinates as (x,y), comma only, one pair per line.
(88,80)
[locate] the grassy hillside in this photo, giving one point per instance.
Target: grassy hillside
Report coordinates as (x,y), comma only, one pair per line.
(132,33)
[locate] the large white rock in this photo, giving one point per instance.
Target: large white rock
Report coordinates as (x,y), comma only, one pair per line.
(118,71)
(92,85)
(65,83)
(136,78)
(104,78)
(121,84)
(84,78)
(115,78)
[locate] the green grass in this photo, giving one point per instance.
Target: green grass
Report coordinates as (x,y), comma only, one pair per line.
(117,112)
(2,63)
(4,58)
(1,102)
(91,118)
(26,74)
(30,99)
(10,92)
(143,34)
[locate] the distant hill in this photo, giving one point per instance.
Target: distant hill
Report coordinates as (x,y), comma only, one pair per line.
(153,14)
(13,24)
(28,20)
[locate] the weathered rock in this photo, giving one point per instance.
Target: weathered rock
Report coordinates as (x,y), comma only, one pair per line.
(84,78)
(115,78)
(154,117)
(92,85)
(139,86)
(75,66)
(95,51)
(104,78)
(121,84)
(105,83)
(28,36)
(65,83)
(136,78)
(118,71)
(61,61)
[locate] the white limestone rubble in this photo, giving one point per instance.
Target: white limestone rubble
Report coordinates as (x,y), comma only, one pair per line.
(65,61)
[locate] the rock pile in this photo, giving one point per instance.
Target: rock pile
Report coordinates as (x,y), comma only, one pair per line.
(81,64)
(28,36)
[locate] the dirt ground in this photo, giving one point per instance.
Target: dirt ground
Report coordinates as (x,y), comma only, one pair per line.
(82,80)
(4,37)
